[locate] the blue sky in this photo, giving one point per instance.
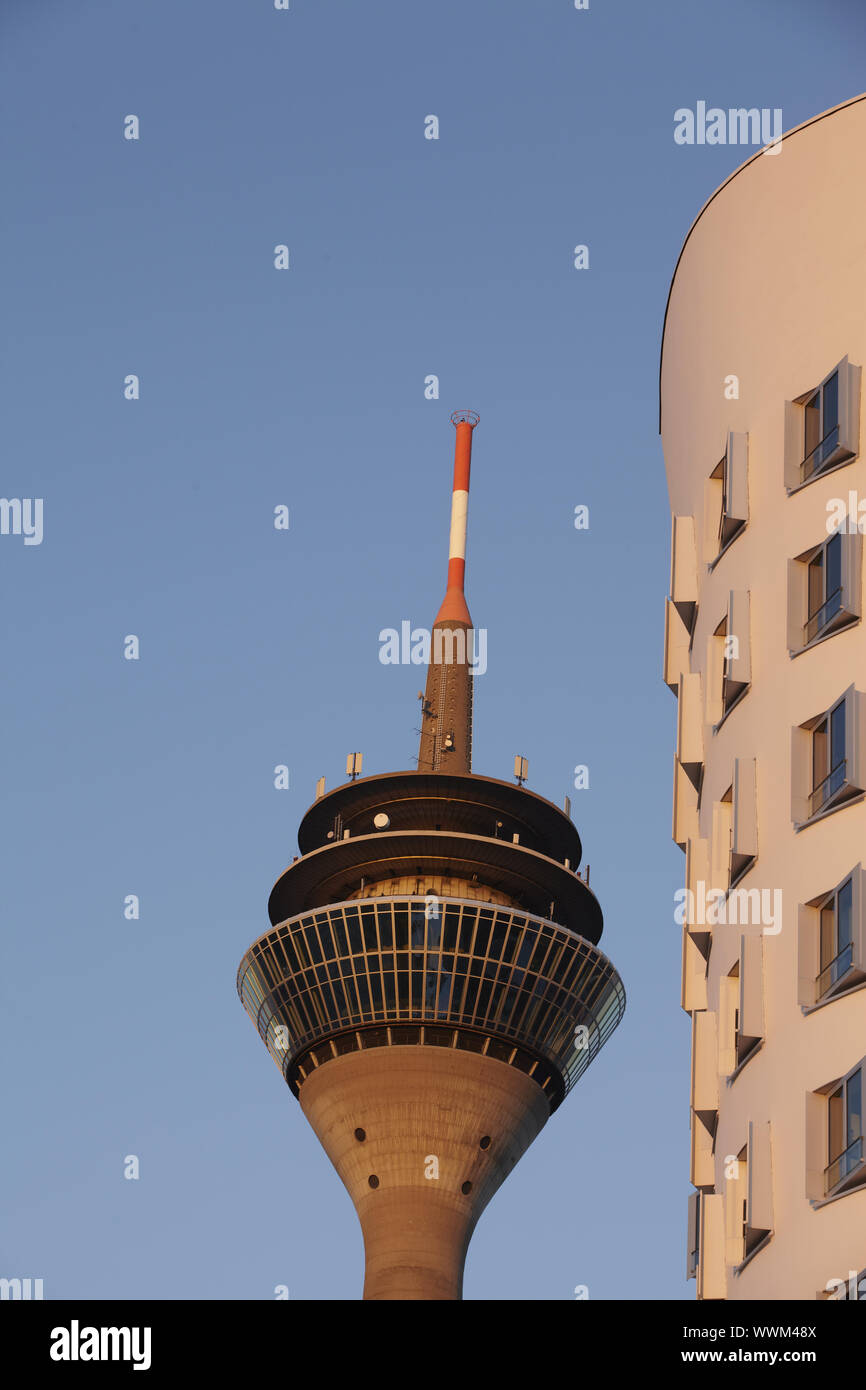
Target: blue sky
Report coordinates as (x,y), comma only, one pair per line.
(409,257)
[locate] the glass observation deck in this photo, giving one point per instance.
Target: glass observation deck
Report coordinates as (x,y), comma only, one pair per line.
(464,974)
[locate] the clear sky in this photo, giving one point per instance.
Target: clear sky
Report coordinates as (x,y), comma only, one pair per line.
(408,257)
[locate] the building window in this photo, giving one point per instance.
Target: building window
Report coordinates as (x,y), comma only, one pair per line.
(729,1020)
(836,939)
(821,419)
(744,819)
(735,828)
(741,991)
(690,727)
(822,426)
(684,572)
(832,941)
(694,1240)
(737,672)
(749,1019)
(824,578)
(829,760)
(728,494)
(748,1196)
(705,1260)
(729,663)
(824,589)
(845,1134)
(736,1205)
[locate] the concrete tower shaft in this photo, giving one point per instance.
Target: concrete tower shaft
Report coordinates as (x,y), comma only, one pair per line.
(443,1129)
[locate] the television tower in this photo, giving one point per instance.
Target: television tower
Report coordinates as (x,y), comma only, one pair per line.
(431,986)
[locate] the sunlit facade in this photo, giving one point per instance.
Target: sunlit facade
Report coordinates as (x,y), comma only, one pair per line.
(762,429)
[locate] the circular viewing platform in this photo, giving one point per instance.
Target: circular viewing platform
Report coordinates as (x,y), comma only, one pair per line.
(398,971)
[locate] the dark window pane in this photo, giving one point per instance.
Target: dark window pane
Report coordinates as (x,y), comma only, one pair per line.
(340,934)
(483,998)
(854,1107)
(843,910)
(452,919)
(819,754)
(401,929)
(837,735)
(328,938)
(834,1124)
(831,403)
(482,937)
(496,997)
(834,565)
(538,953)
(813,423)
(354,930)
(526,945)
(340,998)
(497,940)
(386,930)
(418,926)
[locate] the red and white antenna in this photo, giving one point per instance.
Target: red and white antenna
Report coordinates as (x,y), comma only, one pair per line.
(454,608)
(446,712)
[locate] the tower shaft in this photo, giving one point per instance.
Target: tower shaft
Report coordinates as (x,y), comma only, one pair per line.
(442,1130)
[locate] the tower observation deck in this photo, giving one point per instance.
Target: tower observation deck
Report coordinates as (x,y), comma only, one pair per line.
(431,986)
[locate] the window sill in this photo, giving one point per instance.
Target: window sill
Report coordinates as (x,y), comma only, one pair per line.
(732,706)
(726,547)
(829,811)
(762,1244)
(745,1062)
(737,878)
(832,998)
(824,636)
(822,473)
(859,1185)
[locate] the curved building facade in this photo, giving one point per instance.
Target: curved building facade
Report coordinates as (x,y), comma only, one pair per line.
(765,649)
